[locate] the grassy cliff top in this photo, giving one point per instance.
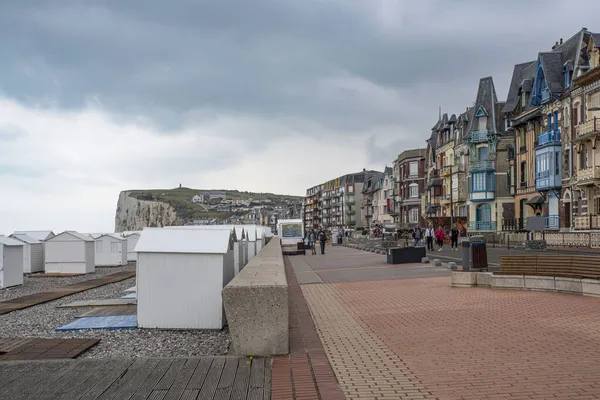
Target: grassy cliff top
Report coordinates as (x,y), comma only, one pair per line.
(180,200)
(186,194)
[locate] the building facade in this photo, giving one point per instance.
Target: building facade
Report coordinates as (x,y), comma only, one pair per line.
(581,196)
(488,162)
(409,187)
(335,204)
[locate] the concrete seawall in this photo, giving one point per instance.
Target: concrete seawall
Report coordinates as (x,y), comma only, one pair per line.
(256,305)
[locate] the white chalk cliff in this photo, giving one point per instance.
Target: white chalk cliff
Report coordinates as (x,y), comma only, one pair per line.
(133,214)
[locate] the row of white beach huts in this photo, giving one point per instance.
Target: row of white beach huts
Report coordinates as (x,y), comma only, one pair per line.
(72,252)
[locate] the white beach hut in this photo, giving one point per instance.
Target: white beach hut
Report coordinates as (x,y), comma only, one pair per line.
(240,247)
(41,235)
(11,262)
(260,238)
(251,236)
(33,253)
(111,250)
(132,239)
(180,276)
(70,252)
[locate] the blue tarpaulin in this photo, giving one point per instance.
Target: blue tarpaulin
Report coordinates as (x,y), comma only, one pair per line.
(107,323)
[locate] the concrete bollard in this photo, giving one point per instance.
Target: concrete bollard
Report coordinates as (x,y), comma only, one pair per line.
(425,260)
(453,266)
(437,263)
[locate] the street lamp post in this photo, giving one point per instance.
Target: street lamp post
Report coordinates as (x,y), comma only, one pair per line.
(451,198)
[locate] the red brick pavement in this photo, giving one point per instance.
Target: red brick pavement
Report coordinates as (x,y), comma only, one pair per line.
(306,373)
(478,343)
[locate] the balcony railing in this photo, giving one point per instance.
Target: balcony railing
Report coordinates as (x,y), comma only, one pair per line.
(586,222)
(481,225)
(549,138)
(479,136)
(512,224)
(447,170)
(545,95)
(588,127)
(552,221)
(588,174)
(477,165)
(445,197)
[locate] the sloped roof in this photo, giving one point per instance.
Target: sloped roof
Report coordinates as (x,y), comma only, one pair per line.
(596,39)
(231,228)
(552,64)
(202,241)
(112,235)
(6,241)
(82,236)
(516,82)
(25,238)
(39,235)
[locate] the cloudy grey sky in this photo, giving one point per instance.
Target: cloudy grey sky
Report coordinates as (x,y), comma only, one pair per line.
(263,95)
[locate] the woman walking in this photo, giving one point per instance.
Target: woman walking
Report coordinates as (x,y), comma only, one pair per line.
(439,236)
(312,239)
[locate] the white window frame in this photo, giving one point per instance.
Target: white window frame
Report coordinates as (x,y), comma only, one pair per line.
(413,190)
(99,248)
(413,216)
(413,168)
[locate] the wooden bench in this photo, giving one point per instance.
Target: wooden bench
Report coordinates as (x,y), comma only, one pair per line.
(551,265)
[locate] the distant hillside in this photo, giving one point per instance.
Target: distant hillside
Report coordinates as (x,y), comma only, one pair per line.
(160,207)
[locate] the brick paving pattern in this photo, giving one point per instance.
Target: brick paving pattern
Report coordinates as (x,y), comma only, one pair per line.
(470,343)
(306,373)
(365,365)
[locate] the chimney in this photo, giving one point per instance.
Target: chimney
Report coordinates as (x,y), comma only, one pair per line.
(561,42)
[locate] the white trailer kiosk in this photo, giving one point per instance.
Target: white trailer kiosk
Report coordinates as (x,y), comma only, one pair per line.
(291,232)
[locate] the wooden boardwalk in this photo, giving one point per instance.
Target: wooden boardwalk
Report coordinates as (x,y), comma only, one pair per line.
(43,349)
(38,298)
(206,378)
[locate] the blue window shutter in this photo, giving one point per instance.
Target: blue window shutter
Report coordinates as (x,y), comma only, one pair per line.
(556,122)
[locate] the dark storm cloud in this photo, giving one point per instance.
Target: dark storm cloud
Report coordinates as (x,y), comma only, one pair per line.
(265,58)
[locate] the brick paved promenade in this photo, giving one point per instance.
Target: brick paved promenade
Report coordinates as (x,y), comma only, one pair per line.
(418,338)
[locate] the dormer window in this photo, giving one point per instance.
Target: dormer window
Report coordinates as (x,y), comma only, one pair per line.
(566,76)
(481,116)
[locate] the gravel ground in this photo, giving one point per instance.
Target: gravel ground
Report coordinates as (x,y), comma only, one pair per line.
(35,285)
(42,320)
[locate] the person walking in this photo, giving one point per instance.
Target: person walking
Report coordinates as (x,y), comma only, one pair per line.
(429,237)
(312,239)
(454,232)
(417,235)
(439,236)
(322,240)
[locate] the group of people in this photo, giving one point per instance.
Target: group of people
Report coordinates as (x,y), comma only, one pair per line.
(314,237)
(439,235)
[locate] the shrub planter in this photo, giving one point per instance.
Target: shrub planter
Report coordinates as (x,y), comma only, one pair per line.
(405,255)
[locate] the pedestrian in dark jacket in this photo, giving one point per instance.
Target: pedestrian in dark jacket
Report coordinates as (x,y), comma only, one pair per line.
(322,240)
